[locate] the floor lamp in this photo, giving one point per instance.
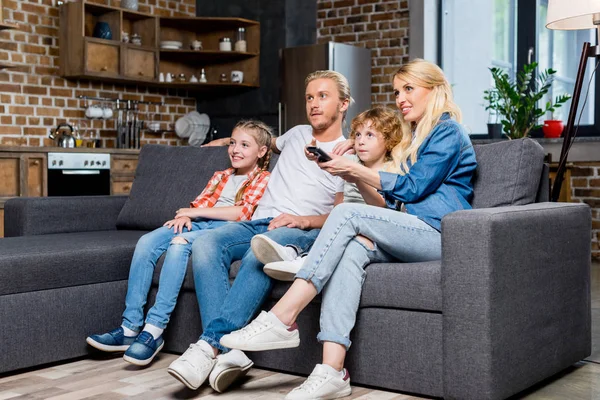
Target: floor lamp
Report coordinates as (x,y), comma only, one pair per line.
(573,15)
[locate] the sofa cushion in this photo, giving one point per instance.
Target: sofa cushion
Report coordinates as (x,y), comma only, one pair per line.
(508,173)
(65,259)
(168,178)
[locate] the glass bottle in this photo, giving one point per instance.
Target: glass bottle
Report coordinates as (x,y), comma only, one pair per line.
(240,40)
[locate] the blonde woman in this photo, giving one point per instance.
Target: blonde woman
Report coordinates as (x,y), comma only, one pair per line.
(434,164)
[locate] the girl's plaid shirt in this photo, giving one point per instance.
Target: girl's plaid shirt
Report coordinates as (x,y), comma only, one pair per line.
(253,192)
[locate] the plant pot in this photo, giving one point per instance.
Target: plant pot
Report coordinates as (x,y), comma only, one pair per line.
(494,131)
(552,128)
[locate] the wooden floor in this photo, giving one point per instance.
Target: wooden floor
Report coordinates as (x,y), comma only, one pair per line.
(112,378)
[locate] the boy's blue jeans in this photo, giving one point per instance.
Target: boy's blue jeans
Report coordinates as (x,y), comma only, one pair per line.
(147,252)
(226,307)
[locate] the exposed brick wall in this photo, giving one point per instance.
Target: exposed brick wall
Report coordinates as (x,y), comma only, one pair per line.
(34,98)
(585,188)
(379,25)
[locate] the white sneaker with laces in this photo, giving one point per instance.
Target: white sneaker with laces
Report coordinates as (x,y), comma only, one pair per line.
(284,270)
(266,332)
(323,383)
(267,250)
(230,367)
(193,367)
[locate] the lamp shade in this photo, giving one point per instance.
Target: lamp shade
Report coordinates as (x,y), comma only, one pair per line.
(572,14)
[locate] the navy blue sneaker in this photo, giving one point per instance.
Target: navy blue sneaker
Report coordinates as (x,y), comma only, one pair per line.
(143,349)
(112,341)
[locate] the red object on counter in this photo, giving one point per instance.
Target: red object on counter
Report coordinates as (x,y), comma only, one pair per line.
(552,128)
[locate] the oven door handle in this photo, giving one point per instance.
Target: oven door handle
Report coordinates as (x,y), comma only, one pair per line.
(81,172)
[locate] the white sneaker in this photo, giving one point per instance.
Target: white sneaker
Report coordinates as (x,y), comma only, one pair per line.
(284,270)
(229,368)
(193,367)
(323,383)
(267,250)
(266,332)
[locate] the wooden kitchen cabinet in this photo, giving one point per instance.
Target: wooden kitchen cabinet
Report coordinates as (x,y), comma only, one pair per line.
(122,172)
(23,175)
(84,57)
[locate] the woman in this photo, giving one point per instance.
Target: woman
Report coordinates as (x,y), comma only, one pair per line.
(434,164)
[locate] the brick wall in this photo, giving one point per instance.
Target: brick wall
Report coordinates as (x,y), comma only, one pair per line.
(585,188)
(379,25)
(33,98)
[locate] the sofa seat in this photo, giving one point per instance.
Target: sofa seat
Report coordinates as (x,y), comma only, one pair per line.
(61,260)
(410,286)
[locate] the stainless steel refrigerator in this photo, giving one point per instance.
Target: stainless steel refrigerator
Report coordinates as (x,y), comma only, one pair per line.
(297,62)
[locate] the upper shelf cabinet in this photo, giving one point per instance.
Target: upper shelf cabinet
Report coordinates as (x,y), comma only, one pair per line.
(87,51)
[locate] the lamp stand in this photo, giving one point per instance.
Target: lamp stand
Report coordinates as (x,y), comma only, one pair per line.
(586,53)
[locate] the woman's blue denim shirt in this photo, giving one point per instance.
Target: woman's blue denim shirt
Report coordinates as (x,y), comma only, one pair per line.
(440,182)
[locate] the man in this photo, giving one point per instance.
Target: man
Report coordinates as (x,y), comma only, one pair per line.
(296,203)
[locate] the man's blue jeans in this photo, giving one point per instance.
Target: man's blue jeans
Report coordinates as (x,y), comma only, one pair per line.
(147,252)
(225,308)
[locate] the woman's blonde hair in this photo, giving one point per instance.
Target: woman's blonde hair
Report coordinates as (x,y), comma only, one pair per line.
(440,100)
(262,133)
(340,81)
(383,120)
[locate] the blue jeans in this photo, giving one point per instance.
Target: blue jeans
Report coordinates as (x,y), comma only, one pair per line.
(336,261)
(224,307)
(147,252)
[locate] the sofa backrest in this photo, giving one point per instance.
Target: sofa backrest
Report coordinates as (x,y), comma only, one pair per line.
(168,178)
(508,173)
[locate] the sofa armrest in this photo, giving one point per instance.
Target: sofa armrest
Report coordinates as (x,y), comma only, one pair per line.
(516,296)
(26,216)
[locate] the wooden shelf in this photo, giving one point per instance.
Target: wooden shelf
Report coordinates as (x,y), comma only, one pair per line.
(83,56)
(204,55)
(6,25)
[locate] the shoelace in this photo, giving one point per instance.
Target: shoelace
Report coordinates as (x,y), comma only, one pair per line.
(192,349)
(312,383)
(255,327)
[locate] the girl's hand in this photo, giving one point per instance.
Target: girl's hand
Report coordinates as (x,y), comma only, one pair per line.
(184,212)
(217,142)
(179,223)
(344,147)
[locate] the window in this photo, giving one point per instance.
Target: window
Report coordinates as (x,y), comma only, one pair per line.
(478,34)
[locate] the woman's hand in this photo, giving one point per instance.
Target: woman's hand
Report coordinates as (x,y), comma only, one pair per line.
(340,166)
(344,147)
(179,223)
(217,142)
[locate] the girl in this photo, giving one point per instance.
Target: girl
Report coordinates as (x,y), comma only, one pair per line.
(230,195)
(375,133)
(434,164)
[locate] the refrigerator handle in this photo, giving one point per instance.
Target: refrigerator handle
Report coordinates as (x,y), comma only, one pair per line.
(281,114)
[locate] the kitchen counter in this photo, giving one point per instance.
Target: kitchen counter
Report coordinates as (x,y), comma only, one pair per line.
(49,149)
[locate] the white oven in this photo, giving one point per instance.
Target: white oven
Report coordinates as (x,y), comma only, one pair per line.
(78,174)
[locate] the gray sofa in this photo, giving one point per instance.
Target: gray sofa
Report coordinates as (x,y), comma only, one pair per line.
(506,307)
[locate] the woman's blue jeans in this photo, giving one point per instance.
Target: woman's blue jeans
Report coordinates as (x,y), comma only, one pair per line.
(336,261)
(147,252)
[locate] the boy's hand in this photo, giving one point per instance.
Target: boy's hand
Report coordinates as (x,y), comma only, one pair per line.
(179,223)
(344,147)
(217,142)
(289,221)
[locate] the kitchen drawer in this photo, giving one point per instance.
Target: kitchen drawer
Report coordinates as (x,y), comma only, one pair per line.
(123,165)
(120,188)
(140,64)
(102,58)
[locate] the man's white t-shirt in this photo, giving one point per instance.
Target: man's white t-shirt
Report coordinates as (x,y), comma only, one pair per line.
(297,185)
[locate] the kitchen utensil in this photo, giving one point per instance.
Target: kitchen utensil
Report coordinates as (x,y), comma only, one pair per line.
(196,45)
(203,76)
(63,139)
(93,112)
(107,113)
(125,37)
(171,45)
(223,78)
(193,79)
(102,31)
(225,44)
(130,4)
(136,39)
(237,76)
(181,78)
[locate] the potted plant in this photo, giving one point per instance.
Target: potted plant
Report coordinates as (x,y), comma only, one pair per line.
(518,99)
(552,127)
(494,127)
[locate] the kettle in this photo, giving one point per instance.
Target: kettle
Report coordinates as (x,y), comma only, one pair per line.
(64,139)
